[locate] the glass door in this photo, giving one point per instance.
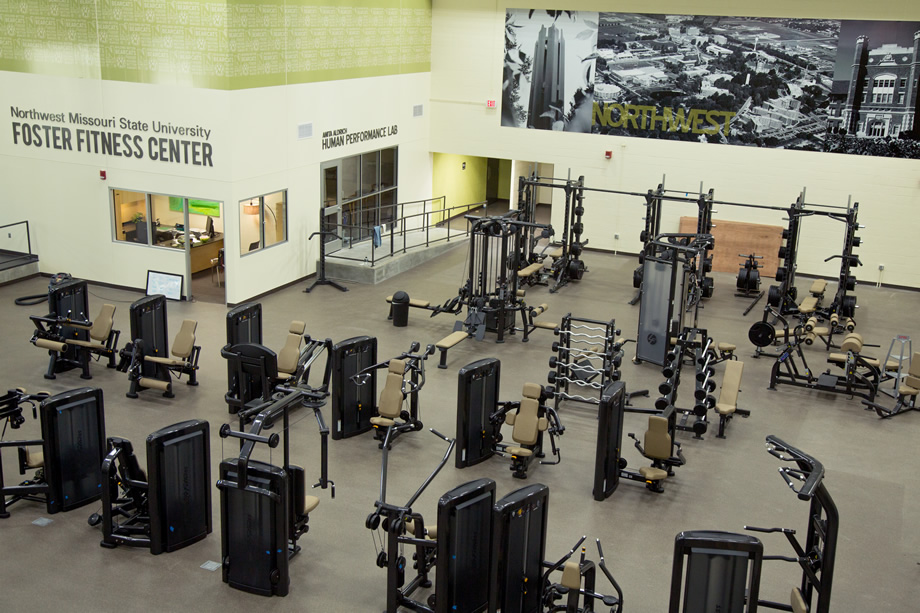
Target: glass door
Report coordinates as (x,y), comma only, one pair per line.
(332,205)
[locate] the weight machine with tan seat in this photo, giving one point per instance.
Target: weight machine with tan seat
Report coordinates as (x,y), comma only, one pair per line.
(658,445)
(70,338)
(404,380)
(480,416)
(147,358)
(723,569)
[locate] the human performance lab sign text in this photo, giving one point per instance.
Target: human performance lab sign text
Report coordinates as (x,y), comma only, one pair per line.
(114,136)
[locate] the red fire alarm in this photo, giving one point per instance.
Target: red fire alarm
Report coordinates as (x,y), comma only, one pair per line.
(102,175)
(608,154)
(490,104)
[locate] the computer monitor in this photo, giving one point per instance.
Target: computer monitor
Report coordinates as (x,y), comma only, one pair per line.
(209,228)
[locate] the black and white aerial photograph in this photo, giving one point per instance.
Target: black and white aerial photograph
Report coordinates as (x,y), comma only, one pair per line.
(808,84)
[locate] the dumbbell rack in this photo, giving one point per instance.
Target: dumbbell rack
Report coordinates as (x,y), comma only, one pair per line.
(695,344)
(587,356)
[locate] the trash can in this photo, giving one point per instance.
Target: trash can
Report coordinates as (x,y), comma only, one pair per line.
(400,309)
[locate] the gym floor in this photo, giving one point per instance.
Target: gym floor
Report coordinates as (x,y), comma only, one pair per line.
(726,483)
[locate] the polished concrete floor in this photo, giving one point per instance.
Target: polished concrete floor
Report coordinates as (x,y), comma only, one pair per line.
(725,484)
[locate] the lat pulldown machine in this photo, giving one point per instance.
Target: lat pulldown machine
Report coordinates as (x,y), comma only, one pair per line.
(264,508)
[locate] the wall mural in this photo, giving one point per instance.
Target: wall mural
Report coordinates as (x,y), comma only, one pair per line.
(806,84)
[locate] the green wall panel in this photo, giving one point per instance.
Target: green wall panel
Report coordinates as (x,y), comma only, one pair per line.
(218,44)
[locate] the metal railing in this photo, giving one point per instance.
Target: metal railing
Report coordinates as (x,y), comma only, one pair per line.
(402,233)
(16,245)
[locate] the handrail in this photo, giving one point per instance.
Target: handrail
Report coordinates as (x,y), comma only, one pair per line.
(399,229)
(28,254)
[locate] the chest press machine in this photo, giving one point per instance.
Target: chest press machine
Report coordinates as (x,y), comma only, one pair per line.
(72,446)
(68,335)
(480,416)
(147,359)
(264,508)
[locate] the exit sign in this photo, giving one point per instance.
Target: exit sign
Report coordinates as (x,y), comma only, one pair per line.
(490,104)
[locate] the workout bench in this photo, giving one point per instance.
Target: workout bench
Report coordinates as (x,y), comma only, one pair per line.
(727,405)
(810,304)
(451,340)
(415,303)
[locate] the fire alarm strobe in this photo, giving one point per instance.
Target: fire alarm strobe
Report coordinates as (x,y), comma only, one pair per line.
(608,154)
(102,175)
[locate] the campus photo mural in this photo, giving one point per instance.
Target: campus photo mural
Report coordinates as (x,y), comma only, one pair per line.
(807,84)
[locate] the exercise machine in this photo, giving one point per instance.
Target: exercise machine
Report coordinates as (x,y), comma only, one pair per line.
(567,263)
(460,540)
(166,508)
(675,265)
(147,359)
(264,508)
(254,371)
(353,405)
(68,461)
(861,374)
(577,584)
(68,335)
(480,416)
(723,569)
(404,380)
(658,446)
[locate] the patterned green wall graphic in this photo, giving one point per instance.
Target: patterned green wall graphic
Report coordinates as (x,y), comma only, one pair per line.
(219,44)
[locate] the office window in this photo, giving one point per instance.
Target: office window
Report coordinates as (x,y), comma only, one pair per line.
(263,221)
(903,83)
(159,219)
(131,218)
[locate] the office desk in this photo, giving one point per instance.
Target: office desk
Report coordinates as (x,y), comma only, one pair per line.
(201,253)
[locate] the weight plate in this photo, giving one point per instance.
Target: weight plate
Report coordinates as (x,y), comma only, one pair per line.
(643,236)
(578,228)
(637,277)
(742,280)
(579,210)
(848,306)
(774,296)
(782,252)
(780,273)
(762,334)
(851,283)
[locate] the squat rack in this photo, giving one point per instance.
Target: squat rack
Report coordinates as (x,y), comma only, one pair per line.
(568,265)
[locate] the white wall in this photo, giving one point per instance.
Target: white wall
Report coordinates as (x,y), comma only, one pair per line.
(888,190)
(253,134)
